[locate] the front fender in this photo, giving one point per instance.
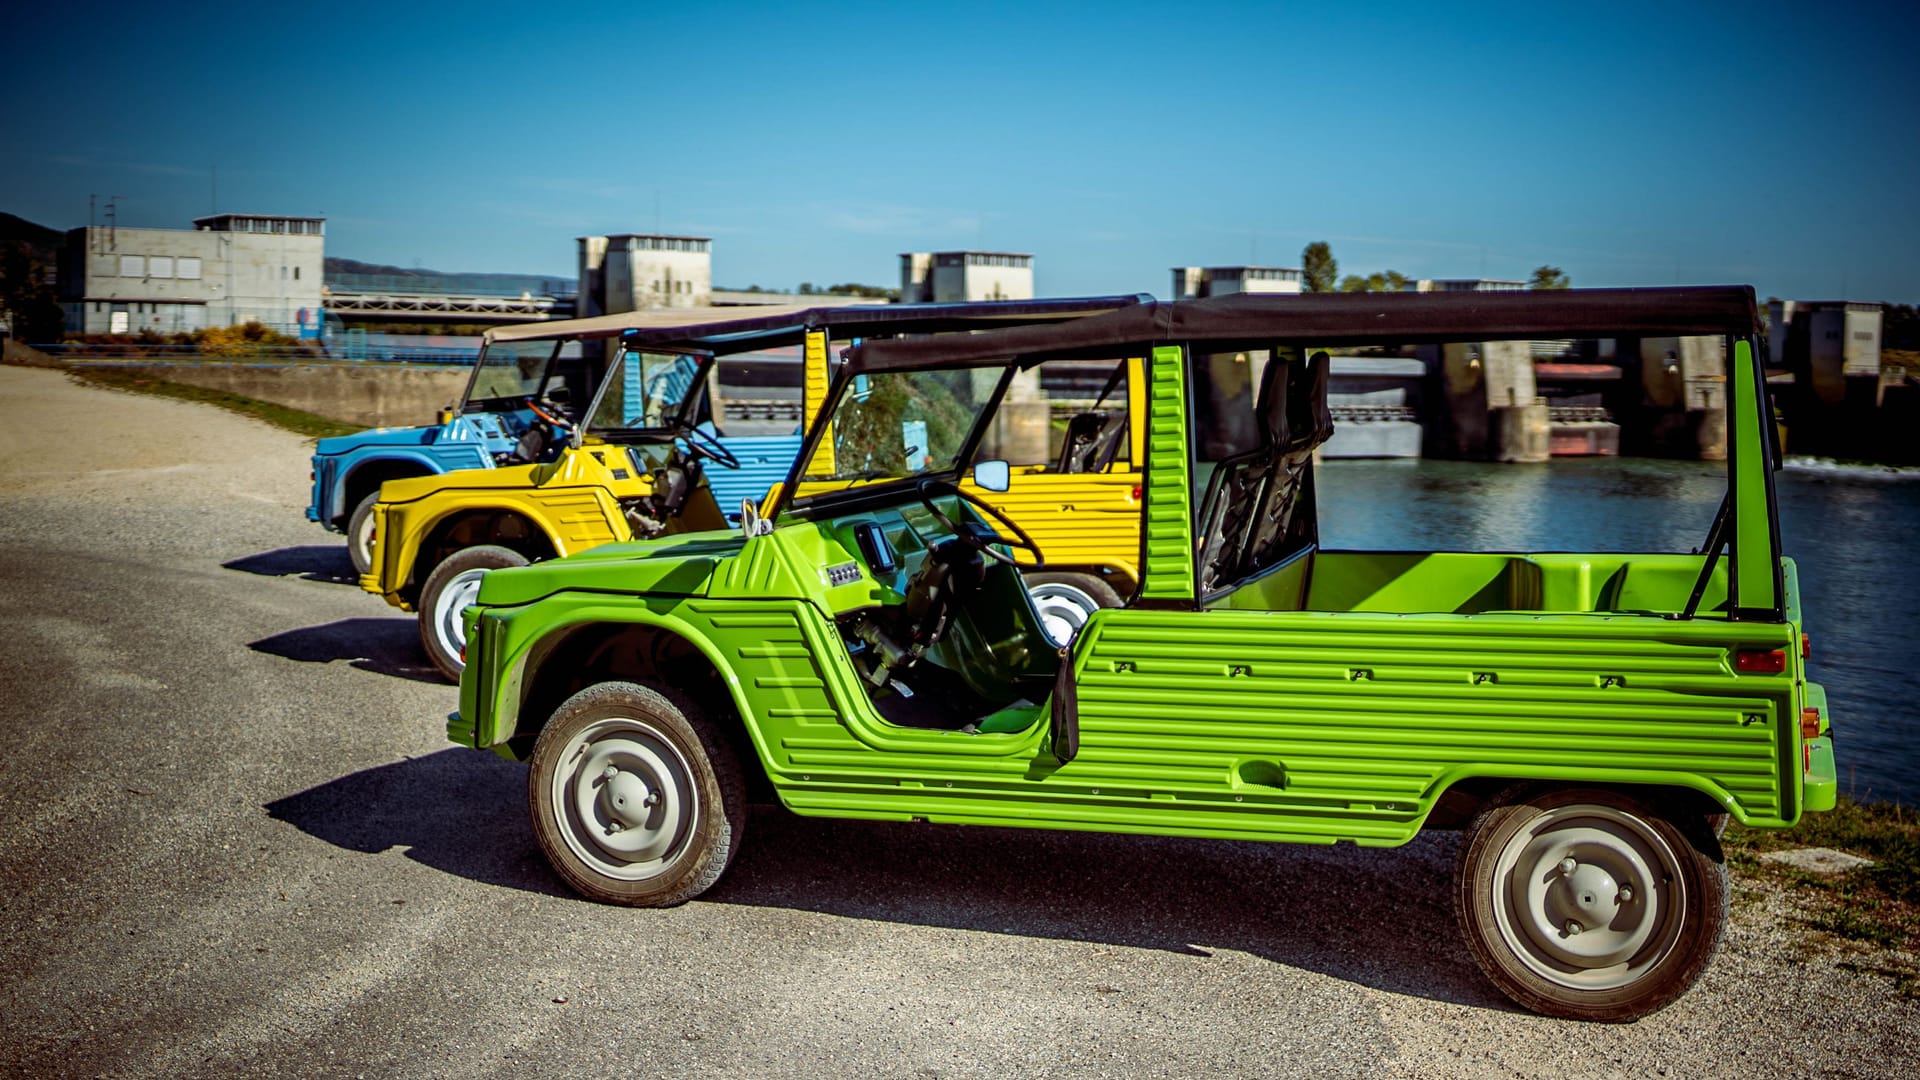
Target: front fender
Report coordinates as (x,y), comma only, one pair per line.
(500,654)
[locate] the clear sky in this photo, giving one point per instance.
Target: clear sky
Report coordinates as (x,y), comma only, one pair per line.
(1628,144)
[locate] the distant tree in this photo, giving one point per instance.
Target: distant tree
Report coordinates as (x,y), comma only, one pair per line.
(1548,277)
(876,292)
(1318,269)
(1389,281)
(26,295)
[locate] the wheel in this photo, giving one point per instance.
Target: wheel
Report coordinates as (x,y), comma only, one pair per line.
(635,798)
(1065,601)
(451,587)
(1588,904)
(360,533)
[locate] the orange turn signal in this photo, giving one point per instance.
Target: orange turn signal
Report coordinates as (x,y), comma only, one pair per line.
(1810,722)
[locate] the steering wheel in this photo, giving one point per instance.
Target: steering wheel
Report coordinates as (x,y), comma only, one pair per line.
(968,536)
(705,445)
(549,412)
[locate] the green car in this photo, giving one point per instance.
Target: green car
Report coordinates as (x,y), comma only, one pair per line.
(867,650)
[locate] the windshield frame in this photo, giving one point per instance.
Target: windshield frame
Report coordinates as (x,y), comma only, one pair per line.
(469,403)
(856,490)
(677,423)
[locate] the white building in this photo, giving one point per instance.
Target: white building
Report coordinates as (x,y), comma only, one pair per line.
(227,270)
(945,276)
(1190,282)
(1464,285)
(638,271)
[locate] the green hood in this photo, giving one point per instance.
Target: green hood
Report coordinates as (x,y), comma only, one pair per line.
(670,566)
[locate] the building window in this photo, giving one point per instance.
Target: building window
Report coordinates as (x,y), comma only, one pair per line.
(160,266)
(296,273)
(133,265)
(187,267)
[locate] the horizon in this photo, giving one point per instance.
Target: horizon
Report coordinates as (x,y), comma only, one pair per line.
(1642,145)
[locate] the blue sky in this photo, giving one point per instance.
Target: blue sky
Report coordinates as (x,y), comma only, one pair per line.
(1628,144)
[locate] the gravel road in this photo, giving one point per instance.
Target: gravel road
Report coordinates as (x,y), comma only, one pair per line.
(234,842)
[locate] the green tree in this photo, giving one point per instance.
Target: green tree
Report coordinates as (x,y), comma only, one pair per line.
(1388,281)
(26,295)
(1318,270)
(1548,277)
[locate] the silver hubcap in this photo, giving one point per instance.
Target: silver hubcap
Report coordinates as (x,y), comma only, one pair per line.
(1589,897)
(1063,610)
(624,798)
(362,540)
(460,593)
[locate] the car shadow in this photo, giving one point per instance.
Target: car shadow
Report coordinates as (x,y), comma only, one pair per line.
(389,646)
(311,562)
(458,811)
(1379,918)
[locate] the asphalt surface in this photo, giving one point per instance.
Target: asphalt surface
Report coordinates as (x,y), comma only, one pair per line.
(233,842)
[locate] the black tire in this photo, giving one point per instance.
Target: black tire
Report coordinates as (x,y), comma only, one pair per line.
(448,591)
(1064,599)
(1621,933)
(617,748)
(360,533)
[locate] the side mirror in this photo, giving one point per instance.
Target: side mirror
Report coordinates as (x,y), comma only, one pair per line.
(993,475)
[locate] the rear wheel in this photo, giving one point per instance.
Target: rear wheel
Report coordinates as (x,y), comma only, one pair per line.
(1589,904)
(1066,601)
(635,798)
(450,589)
(360,533)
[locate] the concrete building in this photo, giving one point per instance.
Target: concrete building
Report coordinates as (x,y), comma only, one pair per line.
(638,271)
(944,276)
(228,269)
(1832,344)
(1190,282)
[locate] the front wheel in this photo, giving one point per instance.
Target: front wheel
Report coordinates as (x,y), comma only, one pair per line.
(1065,601)
(1589,904)
(360,533)
(452,587)
(635,798)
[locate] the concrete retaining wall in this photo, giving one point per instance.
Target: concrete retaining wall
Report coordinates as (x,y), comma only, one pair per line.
(370,396)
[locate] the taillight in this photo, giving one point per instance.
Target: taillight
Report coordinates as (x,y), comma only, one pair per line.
(1806,646)
(1760,661)
(1810,722)
(1136,493)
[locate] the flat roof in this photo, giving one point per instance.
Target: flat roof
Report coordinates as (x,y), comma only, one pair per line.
(1328,319)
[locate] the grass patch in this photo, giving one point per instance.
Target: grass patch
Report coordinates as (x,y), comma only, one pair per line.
(1874,906)
(280,416)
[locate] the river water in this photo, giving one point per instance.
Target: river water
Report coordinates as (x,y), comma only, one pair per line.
(1854,532)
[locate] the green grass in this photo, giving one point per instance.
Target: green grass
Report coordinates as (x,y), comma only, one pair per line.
(280,416)
(1874,906)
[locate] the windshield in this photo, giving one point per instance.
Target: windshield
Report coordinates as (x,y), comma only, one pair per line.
(895,424)
(647,391)
(509,372)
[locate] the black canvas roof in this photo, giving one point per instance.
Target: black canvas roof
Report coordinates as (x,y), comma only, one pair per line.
(762,331)
(1344,319)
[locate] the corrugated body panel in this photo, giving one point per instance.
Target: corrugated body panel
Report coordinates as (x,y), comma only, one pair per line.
(577,516)
(1079,520)
(764,462)
(1168,572)
(1374,712)
(813,386)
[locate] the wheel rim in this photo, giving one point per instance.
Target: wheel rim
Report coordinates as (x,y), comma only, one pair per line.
(362,540)
(1589,897)
(461,591)
(624,799)
(1063,610)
